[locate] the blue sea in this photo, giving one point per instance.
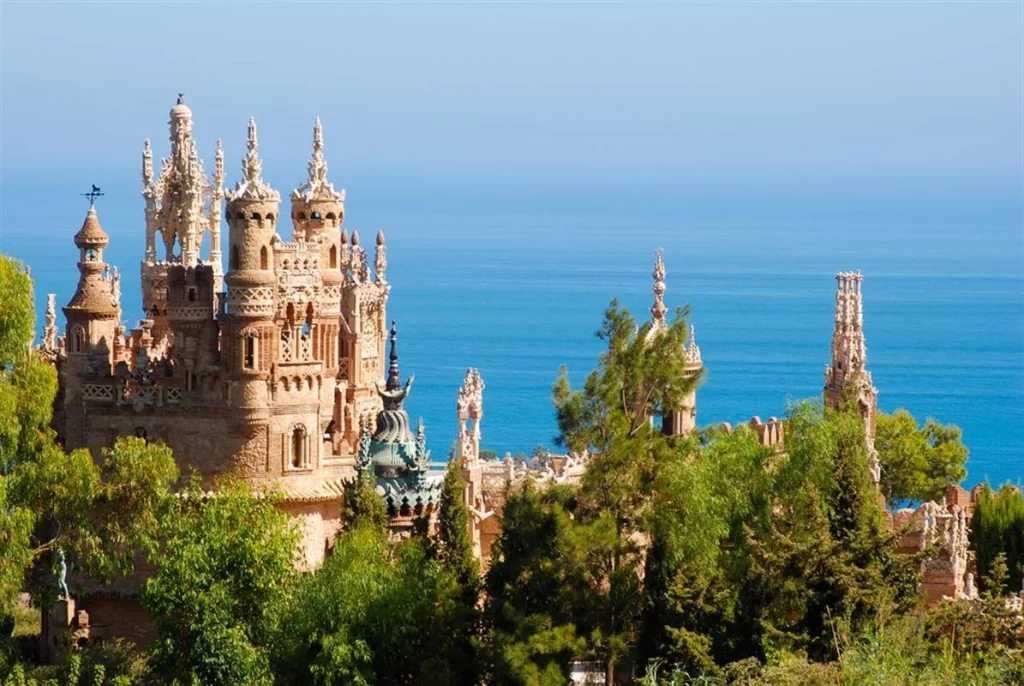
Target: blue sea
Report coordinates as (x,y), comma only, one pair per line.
(512,276)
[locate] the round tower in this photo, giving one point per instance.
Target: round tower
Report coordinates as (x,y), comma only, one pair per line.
(95,309)
(252,214)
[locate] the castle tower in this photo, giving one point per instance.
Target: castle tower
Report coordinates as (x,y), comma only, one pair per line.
(847,378)
(176,205)
(94,312)
(683,420)
(470,408)
(318,209)
(248,337)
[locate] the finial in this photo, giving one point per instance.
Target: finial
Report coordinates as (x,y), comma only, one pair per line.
(318,136)
(380,237)
(344,235)
(181,99)
(93,194)
(394,381)
(355,237)
(252,185)
(147,164)
(658,309)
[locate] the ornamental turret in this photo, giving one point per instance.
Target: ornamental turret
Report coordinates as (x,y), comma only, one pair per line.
(317,209)
(95,309)
(679,421)
(399,460)
(847,379)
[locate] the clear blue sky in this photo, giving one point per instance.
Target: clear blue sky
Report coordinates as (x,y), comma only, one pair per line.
(871,90)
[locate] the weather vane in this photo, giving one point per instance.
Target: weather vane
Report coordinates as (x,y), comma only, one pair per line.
(93,194)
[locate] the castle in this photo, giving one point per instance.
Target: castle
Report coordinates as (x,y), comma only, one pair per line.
(271,371)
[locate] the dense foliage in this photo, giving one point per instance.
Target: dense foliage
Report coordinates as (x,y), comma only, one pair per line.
(997,528)
(918,463)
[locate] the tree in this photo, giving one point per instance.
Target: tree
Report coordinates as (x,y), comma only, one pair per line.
(918,463)
(584,579)
(529,610)
(225,569)
(363,505)
(377,612)
(17,315)
(997,529)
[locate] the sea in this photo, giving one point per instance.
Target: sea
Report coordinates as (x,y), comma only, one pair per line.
(511,275)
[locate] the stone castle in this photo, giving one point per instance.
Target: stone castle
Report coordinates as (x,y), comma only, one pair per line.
(271,371)
(279,371)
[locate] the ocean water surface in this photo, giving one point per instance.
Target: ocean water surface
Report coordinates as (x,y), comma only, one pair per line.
(513,279)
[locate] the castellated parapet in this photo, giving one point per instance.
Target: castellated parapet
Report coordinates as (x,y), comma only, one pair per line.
(266,371)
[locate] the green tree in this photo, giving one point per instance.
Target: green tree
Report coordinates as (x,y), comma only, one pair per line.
(17,314)
(376,612)
(363,505)
(918,463)
(224,572)
(997,528)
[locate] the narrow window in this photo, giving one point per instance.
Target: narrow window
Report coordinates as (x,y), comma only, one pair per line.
(334,257)
(250,352)
(191,295)
(263,257)
(234,257)
(298,443)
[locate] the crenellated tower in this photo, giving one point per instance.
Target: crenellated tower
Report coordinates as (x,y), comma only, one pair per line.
(847,379)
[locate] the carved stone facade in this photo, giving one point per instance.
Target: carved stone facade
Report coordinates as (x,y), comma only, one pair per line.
(266,372)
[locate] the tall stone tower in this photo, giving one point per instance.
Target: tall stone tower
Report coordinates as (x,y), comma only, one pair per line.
(847,378)
(93,317)
(248,334)
(680,421)
(181,205)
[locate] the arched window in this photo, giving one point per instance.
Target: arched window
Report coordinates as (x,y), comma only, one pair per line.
(331,218)
(255,216)
(302,216)
(263,257)
(334,257)
(316,215)
(298,456)
(191,295)
(77,339)
(249,351)
(234,257)
(270,217)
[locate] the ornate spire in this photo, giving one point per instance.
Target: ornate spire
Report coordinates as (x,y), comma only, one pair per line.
(147,165)
(50,330)
(692,350)
(381,259)
(317,187)
(252,186)
(394,379)
(658,309)
(470,407)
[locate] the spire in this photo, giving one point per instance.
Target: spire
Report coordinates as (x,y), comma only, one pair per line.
(658,309)
(50,330)
(394,379)
(692,350)
(147,165)
(381,260)
(252,186)
(317,187)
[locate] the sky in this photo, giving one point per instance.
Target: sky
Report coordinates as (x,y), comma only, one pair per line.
(866,92)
